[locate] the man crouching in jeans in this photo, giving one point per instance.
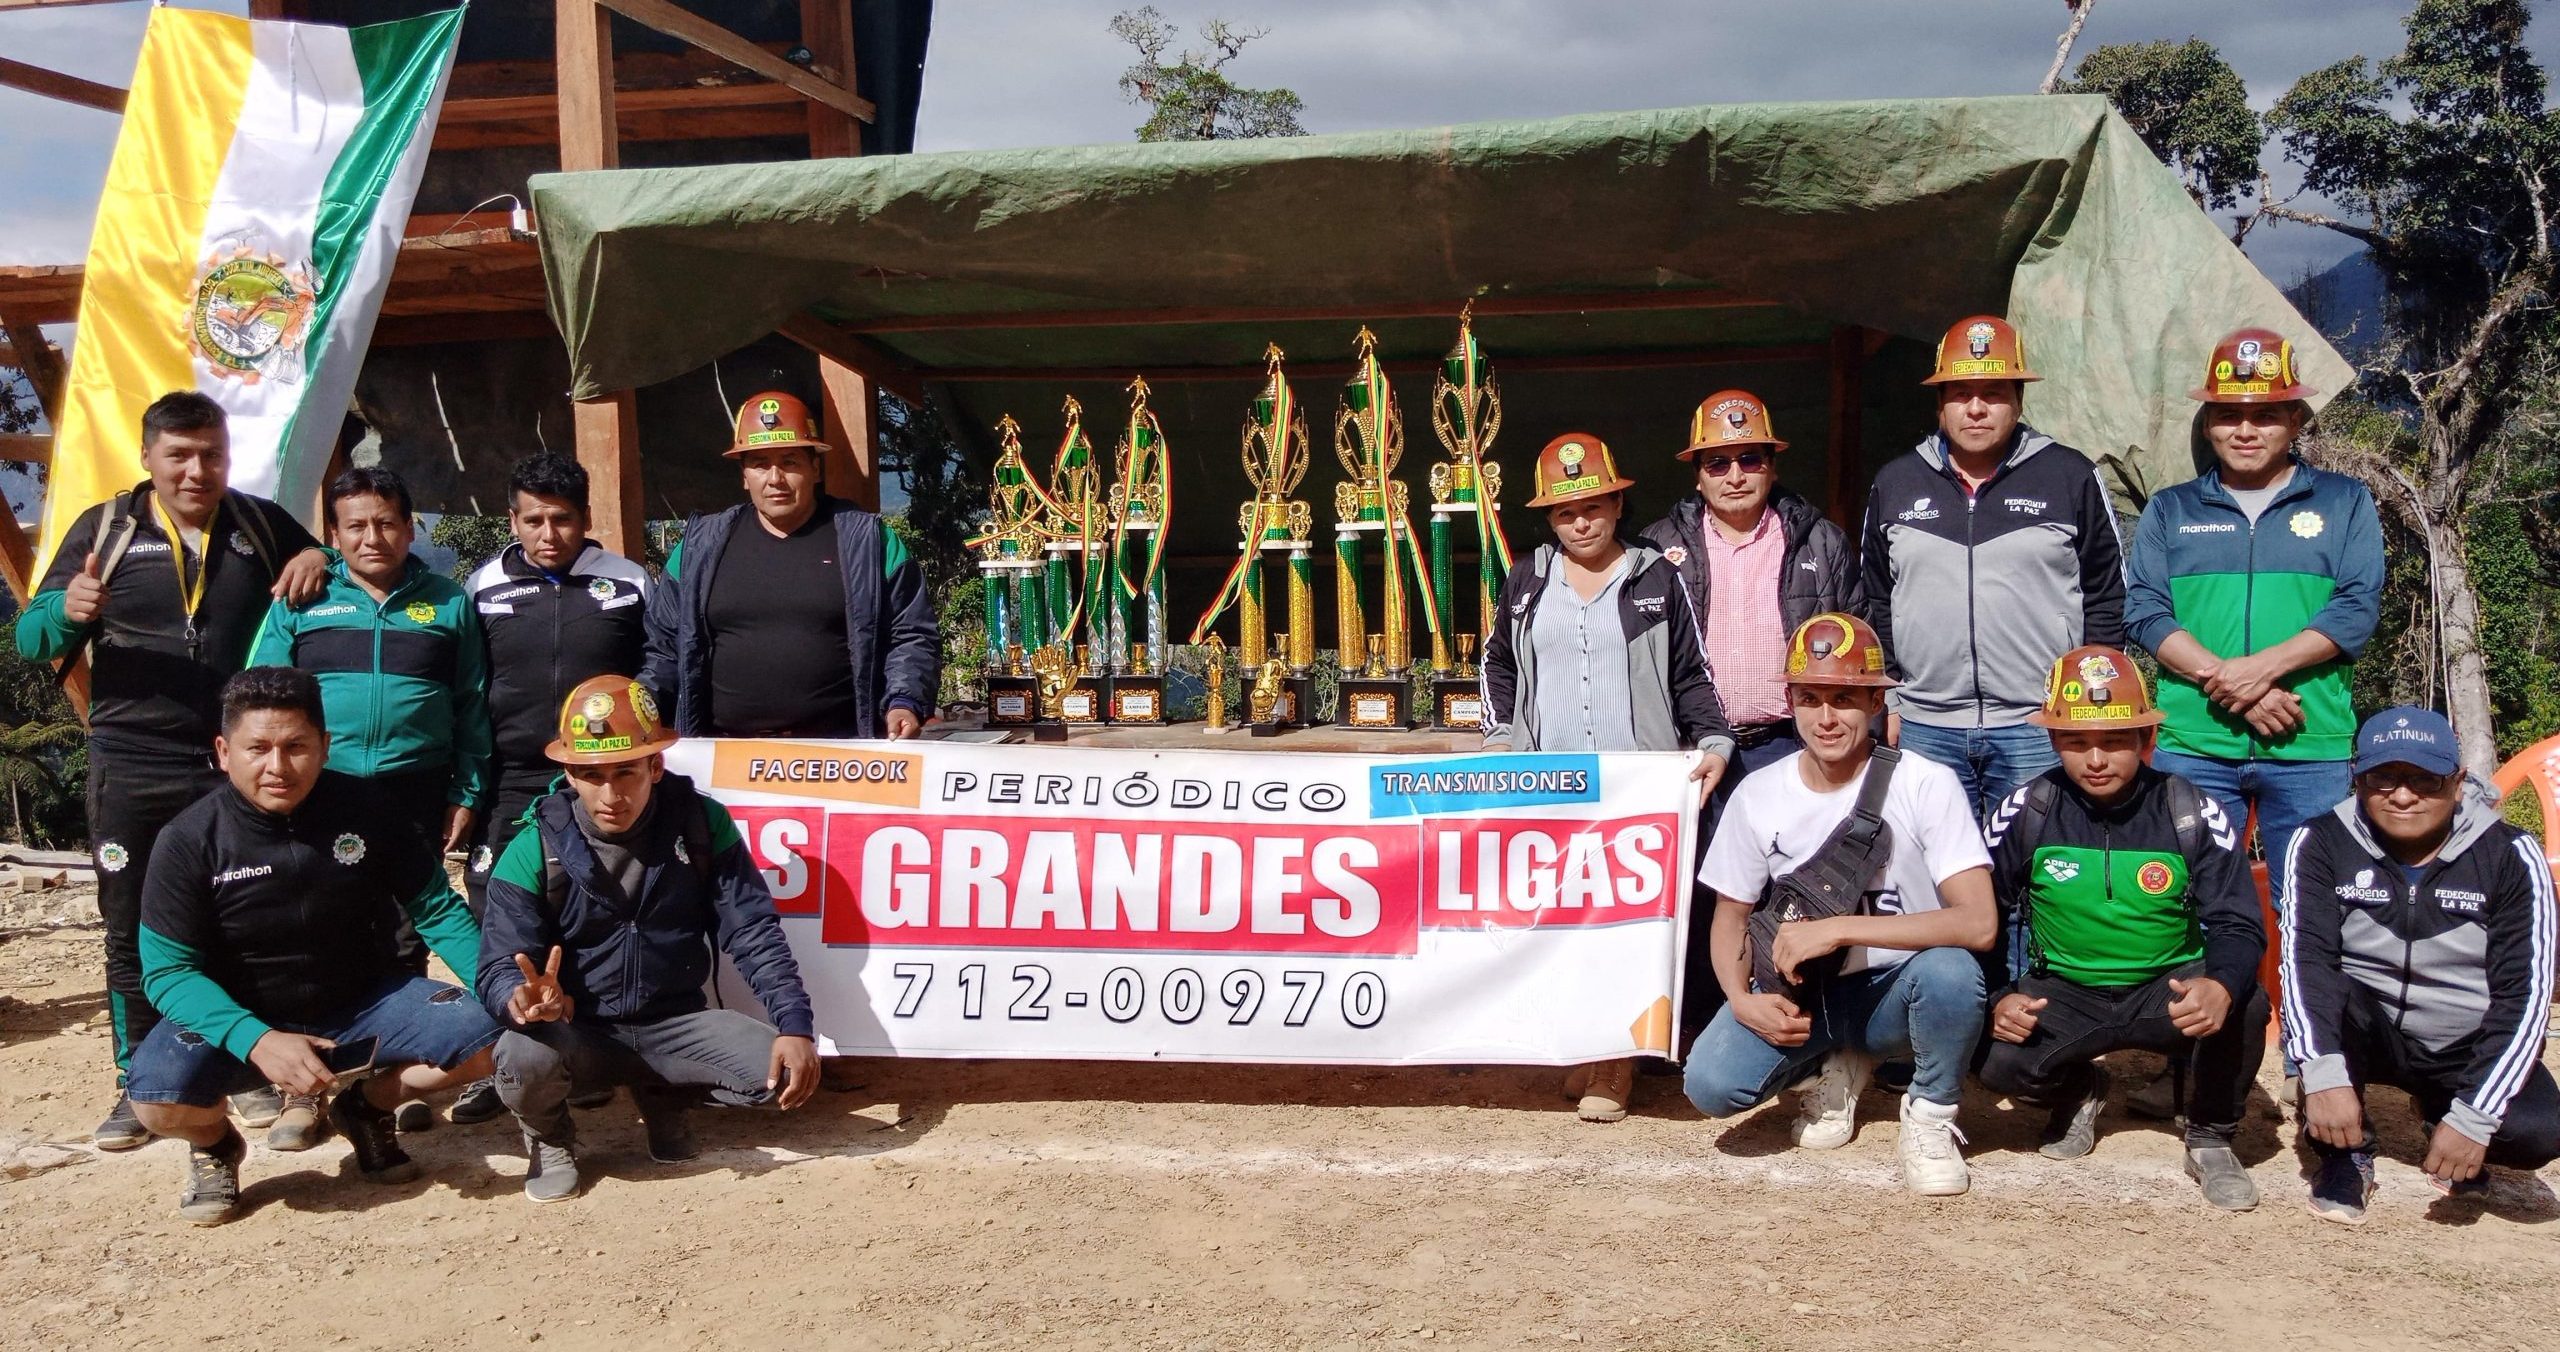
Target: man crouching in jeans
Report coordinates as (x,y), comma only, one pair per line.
(634,876)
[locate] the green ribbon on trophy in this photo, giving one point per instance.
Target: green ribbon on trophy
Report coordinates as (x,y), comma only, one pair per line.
(1466,415)
(1368,438)
(1009,555)
(1141,503)
(1073,519)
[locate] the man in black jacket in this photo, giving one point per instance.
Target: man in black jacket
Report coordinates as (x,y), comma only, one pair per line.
(268,942)
(2141,927)
(601,922)
(2417,952)
(164,588)
(792,614)
(555,609)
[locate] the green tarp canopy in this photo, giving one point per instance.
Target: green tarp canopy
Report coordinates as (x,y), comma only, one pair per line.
(1623,266)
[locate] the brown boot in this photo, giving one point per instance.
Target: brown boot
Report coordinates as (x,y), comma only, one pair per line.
(1605,1094)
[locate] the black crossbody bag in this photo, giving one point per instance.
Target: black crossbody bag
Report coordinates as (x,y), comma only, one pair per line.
(1832,882)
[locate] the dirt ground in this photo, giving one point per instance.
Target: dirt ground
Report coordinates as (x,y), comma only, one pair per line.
(1036,1205)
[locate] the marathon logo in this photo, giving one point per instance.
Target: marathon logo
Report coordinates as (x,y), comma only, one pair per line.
(237,875)
(2210,528)
(818,770)
(512,593)
(1441,788)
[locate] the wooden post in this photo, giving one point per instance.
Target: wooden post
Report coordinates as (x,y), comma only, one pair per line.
(826,29)
(43,369)
(607,429)
(1848,468)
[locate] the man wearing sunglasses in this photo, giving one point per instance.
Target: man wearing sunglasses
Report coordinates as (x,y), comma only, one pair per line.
(2417,953)
(1758,560)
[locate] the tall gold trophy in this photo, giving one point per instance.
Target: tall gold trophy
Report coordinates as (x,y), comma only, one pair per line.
(1074,523)
(1466,491)
(1273,527)
(1141,501)
(1368,437)
(1009,565)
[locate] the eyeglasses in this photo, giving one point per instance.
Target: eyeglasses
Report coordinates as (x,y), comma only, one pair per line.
(1752,462)
(2390,779)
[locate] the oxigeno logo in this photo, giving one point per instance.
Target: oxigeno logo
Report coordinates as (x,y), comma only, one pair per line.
(1434,788)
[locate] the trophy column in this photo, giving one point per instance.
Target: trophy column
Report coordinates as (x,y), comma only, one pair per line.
(1132,671)
(1377,651)
(1276,666)
(1466,415)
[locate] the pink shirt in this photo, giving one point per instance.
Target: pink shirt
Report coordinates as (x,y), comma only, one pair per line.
(1746,638)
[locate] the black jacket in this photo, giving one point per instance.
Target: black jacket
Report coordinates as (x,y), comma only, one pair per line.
(2460,960)
(1817,574)
(545,637)
(1675,699)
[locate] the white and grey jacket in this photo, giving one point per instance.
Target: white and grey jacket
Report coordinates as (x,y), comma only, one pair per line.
(2459,960)
(1675,699)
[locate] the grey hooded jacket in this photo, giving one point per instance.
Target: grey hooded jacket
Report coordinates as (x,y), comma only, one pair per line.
(1675,699)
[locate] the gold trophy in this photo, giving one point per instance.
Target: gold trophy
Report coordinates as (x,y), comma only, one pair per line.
(1368,438)
(1213,669)
(1466,488)
(1273,526)
(1009,567)
(1134,642)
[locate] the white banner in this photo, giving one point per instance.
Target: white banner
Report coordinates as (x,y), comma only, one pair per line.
(960,900)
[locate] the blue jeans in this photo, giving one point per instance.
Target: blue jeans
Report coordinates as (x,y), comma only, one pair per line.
(1992,762)
(1926,1008)
(413,1021)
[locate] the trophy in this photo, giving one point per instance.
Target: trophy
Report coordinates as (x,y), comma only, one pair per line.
(1134,637)
(1213,668)
(1009,566)
(1273,528)
(1368,437)
(1466,414)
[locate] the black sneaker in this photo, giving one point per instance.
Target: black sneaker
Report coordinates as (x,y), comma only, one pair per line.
(2343,1186)
(374,1135)
(122,1130)
(212,1191)
(260,1107)
(479,1103)
(413,1117)
(670,1131)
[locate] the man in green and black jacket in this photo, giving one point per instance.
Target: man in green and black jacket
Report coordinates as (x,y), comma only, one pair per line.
(2141,928)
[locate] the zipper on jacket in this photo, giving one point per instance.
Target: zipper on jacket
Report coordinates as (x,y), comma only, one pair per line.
(2248,612)
(1972,639)
(2408,947)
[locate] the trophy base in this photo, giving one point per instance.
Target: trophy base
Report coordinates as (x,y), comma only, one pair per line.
(1136,700)
(1084,703)
(1012,701)
(1375,703)
(1457,704)
(1295,708)
(1048,732)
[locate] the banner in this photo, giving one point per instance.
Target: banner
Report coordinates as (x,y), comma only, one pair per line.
(962,900)
(257,198)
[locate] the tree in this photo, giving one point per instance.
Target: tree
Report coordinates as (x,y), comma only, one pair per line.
(474,540)
(2188,105)
(1192,99)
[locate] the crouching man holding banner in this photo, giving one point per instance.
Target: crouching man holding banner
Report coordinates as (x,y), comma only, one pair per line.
(1881,895)
(598,931)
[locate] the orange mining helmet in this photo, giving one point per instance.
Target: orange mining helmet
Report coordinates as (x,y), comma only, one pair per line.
(774,421)
(607,720)
(1984,347)
(2251,366)
(1836,649)
(1575,466)
(2095,689)
(1730,418)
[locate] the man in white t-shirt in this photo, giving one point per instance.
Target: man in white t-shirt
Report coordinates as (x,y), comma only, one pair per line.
(1909,985)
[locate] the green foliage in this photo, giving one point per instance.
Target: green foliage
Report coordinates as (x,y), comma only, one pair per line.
(2188,105)
(474,540)
(2517,596)
(44,752)
(1190,98)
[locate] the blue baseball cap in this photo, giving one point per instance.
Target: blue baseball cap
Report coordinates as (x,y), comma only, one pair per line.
(2408,735)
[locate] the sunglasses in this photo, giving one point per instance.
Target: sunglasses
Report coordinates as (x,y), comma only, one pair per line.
(1752,462)
(2390,779)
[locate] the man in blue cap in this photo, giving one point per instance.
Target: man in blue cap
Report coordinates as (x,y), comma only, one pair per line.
(2418,953)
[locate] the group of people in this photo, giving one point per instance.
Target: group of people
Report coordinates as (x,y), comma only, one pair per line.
(1937,795)
(269,908)
(1938,769)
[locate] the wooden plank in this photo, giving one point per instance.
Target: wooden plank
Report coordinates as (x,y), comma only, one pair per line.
(51,4)
(1846,489)
(415,330)
(583,34)
(37,360)
(719,41)
(853,454)
(53,84)
(26,450)
(533,107)
(657,124)
(1586,361)
(608,442)
(826,29)
(632,72)
(1585,302)
(886,369)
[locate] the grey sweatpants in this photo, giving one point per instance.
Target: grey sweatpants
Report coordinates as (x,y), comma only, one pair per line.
(716,1054)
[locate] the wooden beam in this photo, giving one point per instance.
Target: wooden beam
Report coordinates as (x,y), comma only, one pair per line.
(1580,303)
(608,441)
(26,450)
(1846,485)
(853,455)
(530,107)
(53,84)
(719,41)
(885,368)
(826,29)
(37,360)
(1582,361)
(751,122)
(51,4)
(583,42)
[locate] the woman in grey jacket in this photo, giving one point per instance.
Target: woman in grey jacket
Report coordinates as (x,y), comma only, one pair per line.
(1596,650)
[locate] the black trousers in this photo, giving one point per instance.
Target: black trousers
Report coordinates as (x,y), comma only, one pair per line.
(411,805)
(2081,1023)
(518,787)
(132,795)
(2528,1136)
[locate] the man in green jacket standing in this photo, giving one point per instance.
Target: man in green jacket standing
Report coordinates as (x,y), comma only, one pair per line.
(404,677)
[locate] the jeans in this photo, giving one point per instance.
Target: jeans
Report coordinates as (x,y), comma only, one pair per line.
(2289,795)
(1991,762)
(132,795)
(413,1021)
(1701,995)
(1926,1008)
(2052,1069)
(670,1064)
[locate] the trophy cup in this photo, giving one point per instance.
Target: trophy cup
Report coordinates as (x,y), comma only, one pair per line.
(1273,527)
(1072,524)
(1466,415)
(1009,566)
(1368,437)
(1134,642)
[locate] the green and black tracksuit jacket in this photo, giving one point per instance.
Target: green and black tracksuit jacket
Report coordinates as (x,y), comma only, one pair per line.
(404,680)
(2312,560)
(2112,896)
(251,920)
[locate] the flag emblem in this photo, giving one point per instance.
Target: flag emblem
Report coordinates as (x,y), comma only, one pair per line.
(251,313)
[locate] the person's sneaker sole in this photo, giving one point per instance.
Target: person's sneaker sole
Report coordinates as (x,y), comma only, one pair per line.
(2232,1200)
(413,1117)
(2079,1134)
(2337,1216)
(120,1142)
(1596,1109)
(257,1109)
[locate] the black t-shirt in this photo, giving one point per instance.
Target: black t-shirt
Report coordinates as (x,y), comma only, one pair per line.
(779,661)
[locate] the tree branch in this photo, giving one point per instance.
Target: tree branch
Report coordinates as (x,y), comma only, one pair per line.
(2370,237)
(2062,49)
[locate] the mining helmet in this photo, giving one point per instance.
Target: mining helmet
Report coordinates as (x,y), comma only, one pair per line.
(1836,649)
(1575,466)
(1985,347)
(774,421)
(607,720)
(2096,689)
(1730,418)
(2251,366)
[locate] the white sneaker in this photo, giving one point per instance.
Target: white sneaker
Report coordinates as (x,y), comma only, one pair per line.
(1932,1166)
(1827,1109)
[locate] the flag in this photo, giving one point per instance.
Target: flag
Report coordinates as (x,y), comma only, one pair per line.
(259,191)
